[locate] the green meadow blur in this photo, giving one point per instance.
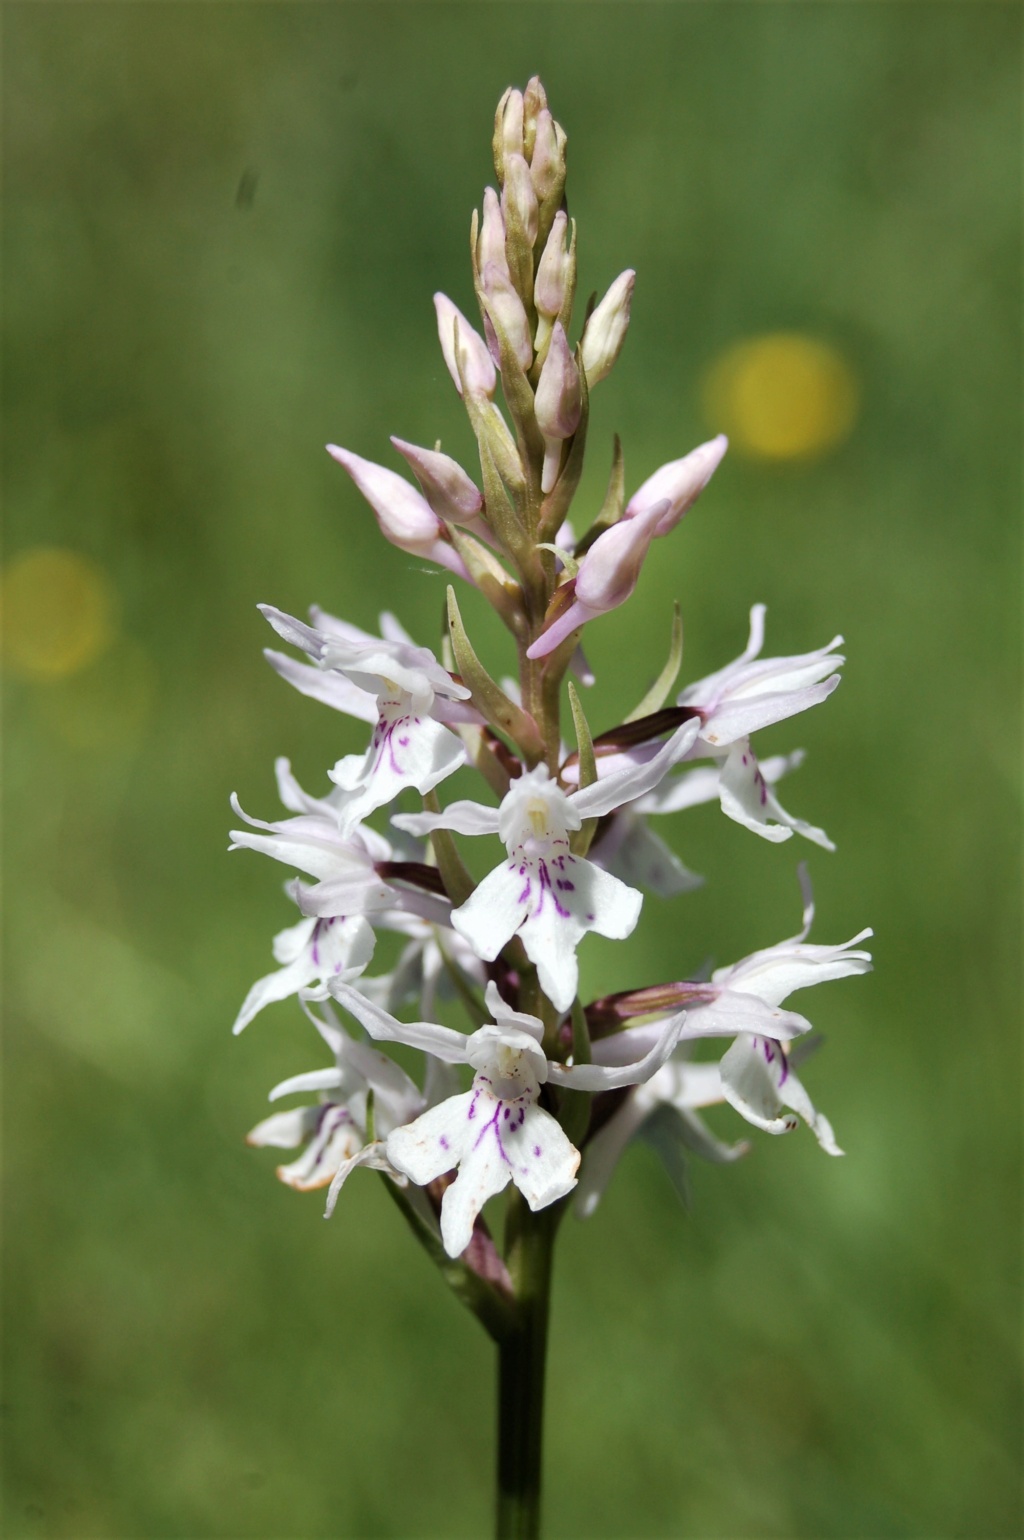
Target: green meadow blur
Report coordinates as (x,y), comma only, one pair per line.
(224,224)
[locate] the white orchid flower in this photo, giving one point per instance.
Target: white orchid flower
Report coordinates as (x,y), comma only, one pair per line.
(495,1132)
(333,1130)
(755,1075)
(410,746)
(748,694)
(542,892)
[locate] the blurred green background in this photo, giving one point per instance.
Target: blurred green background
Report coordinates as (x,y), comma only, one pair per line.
(223,227)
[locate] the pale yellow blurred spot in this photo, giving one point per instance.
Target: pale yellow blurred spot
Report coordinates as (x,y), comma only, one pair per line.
(58,613)
(104,707)
(782,396)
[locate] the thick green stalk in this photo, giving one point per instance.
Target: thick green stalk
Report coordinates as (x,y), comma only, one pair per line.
(522,1353)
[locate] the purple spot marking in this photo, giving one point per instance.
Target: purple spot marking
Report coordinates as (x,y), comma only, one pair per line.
(536,1151)
(443,1142)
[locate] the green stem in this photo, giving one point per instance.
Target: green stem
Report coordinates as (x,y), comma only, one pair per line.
(522,1353)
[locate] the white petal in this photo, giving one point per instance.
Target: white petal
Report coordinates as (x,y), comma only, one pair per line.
(372,1155)
(336,1140)
(601,1077)
(462,817)
(276,986)
(492,914)
(434,1143)
(745,796)
(290,944)
(625,785)
(330,688)
(285,1130)
(550,937)
(777,972)
(482,1174)
(738,718)
(505,1016)
(443,1042)
(543,1160)
(327,1079)
(415,752)
(748,1084)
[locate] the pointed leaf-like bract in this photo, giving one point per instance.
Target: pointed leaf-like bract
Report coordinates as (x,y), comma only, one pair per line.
(488,697)
(579,839)
(661,689)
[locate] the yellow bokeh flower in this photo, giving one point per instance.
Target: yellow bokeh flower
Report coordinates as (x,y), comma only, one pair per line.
(783,396)
(58,613)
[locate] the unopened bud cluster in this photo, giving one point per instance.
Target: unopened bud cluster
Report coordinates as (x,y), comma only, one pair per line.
(543,1077)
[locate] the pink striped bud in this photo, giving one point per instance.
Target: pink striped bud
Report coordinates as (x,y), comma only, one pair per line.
(476,360)
(518,194)
(491,245)
(607,576)
(507,314)
(446,487)
(606,330)
(557,401)
(680,482)
(405,518)
(552,271)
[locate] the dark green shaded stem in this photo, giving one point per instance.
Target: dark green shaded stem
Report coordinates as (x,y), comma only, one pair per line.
(522,1354)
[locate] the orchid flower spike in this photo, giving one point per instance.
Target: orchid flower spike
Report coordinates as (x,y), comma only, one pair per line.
(496,1132)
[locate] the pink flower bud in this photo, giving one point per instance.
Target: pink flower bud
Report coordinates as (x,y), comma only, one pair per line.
(518,192)
(476,361)
(558,389)
(535,100)
(507,313)
(607,576)
(552,270)
(606,329)
(547,167)
(491,246)
(446,487)
(681,482)
(508,127)
(405,518)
